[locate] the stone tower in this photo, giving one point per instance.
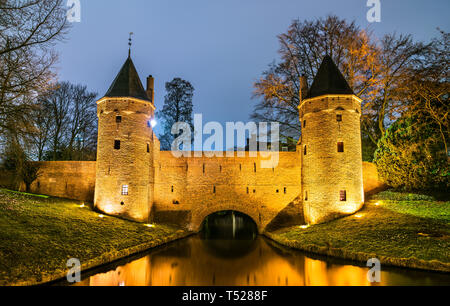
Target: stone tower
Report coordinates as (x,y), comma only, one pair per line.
(124,174)
(332,180)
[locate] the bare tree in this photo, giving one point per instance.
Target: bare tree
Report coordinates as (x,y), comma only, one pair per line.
(302,49)
(28,31)
(429,88)
(376,71)
(67,123)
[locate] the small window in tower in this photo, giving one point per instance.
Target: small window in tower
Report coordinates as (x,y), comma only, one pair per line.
(124,189)
(254,167)
(172,188)
(149,124)
(148,148)
(306,195)
(340,146)
(343,195)
(338,118)
(248,191)
(118,119)
(117,144)
(214,189)
(304,150)
(304,123)
(285,190)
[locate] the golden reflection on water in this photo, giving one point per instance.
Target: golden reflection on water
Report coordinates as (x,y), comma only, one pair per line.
(193,263)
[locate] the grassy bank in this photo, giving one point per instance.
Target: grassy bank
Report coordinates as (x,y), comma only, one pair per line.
(38,235)
(407,230)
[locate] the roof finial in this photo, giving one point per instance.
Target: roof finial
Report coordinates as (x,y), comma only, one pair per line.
(129,44)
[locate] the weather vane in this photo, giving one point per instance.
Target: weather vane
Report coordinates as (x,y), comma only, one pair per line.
(130,43)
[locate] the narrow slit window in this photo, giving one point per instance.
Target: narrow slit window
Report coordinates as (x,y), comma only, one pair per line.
(124,189)
(338,118)
(214,189)
(285,190)
(304,123)
(340,147)
(248,190)
(148,148)
(343,195)
(304,150)
(117,144)
(306,195)
(254,167)
(118,119)
(172,188)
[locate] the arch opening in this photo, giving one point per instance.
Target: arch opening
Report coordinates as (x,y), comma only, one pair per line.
(229,224)
(228,233)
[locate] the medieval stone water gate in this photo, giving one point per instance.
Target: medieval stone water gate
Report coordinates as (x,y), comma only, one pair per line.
(322,180)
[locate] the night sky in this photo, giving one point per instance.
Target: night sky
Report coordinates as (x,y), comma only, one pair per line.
(220,46)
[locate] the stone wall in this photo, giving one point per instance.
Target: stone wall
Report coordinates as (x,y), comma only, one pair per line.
(372,183)
(124,158)
(72,180)
(193,197)
(332,174)
(204,185)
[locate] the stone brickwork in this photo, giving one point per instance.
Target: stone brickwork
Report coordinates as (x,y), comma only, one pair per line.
(124,158)
(322,180)
(332,178)
(204,185)
(72,180)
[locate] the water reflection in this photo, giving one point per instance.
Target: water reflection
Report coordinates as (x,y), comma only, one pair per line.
(201,260)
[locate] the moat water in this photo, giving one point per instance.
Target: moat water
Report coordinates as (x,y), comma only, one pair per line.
(228,252)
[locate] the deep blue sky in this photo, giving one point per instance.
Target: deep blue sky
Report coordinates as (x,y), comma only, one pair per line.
(220,46)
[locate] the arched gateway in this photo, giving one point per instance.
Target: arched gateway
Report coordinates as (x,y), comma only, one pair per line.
(320,181)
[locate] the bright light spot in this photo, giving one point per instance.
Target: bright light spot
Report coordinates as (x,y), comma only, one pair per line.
(122,283)
(101,216)
(82,205)
(153,123)
(377,204)
(109,209)
(149,225)
(304,226)
(358,216)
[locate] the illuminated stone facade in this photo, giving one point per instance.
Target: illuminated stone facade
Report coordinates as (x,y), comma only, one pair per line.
(137,181)
(321,181)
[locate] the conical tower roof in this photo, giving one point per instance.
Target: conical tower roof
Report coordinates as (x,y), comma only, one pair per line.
(329,81)
(127,83)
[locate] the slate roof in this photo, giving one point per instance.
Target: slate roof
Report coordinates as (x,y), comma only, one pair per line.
(329,80)
(127,83)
